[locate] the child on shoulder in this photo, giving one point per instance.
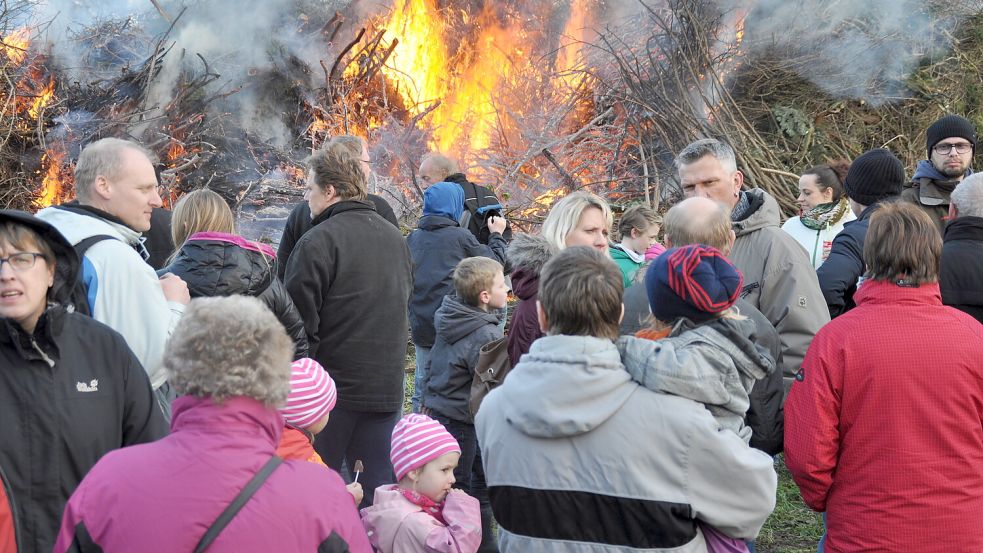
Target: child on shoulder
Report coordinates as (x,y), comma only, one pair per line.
(312,396)
(423,512)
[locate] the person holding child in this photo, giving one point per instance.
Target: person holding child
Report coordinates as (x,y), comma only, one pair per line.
(423,512)
(465,322)
(639,229)
(569,435)
(437,245)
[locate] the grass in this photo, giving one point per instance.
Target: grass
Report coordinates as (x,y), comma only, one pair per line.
(792,527)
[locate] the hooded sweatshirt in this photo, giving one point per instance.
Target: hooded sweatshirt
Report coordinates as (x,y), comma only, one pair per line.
(395,525)
(461,331)
(931,190)
(778,279)
(436,247)
(528,254)
(568,438)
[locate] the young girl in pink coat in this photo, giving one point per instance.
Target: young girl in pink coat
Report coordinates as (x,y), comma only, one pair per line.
(422,512)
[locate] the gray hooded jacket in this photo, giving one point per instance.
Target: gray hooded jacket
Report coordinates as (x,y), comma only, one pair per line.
(578,458)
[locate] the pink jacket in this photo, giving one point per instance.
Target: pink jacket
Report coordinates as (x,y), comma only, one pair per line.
(395,525)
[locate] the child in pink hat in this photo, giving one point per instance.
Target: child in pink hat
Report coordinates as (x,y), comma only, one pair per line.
(423,512)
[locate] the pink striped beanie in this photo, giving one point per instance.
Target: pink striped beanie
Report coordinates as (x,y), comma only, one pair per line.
(312,393)
(417,440)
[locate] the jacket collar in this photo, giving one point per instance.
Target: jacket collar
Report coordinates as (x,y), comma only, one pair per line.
(239,418)
(964,228)
(49,326)
(880,292)
(341,207)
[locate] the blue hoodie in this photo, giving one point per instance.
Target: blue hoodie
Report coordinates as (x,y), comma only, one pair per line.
(445,199)
(925,169)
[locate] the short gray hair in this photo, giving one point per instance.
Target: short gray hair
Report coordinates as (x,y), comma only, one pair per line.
(227,347)
(968,196)
(565,214)
(696,151)
(103,157)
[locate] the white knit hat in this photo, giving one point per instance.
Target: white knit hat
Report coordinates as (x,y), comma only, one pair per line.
(312,393)
(417,440)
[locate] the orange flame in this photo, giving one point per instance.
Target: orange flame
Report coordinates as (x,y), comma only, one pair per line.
(51,186)
(574,35)
(14,45)
(43,98)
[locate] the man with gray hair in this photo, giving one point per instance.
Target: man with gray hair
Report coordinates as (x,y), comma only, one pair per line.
(961,272)
(116,192)
(778,277)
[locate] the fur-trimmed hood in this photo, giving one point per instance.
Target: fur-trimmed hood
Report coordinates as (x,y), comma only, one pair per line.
(530,251)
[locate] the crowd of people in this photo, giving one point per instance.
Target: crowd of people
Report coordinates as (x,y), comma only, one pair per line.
(169,385)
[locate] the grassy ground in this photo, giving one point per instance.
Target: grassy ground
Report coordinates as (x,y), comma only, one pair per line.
(792,527)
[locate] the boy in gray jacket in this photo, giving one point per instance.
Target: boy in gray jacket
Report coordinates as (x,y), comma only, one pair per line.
(569,438)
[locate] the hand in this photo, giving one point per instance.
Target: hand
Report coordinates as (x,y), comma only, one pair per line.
(356,490)
(497,224)
(175,288)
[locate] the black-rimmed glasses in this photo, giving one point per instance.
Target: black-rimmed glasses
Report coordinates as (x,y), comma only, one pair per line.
(21,261)
(944,149)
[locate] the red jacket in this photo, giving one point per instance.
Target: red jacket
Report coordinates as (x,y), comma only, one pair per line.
(884,424)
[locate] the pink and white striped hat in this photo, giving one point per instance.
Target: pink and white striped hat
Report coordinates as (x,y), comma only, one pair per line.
(417,440)
(312,393)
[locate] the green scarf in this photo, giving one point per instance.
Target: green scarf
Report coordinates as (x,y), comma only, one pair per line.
(824,216)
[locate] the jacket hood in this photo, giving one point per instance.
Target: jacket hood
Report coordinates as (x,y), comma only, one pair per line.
(434,222)
(237,416)
(530,251)
(220,264)
(384,518)
(925,170)
(764,213)
(566,386)
(964,228)
(456,320)
(66,260)
(444,198)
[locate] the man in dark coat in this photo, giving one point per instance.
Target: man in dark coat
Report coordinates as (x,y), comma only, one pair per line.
(480,203)
(350,277)
(703,221)
(961,273)
(951,144)
(874,177)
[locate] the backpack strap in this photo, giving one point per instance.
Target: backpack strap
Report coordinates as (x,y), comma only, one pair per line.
(240,500)
(87,243)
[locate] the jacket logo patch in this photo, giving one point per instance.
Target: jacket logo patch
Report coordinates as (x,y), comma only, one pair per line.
(802,301)
(92,386)
(801,375)
(748,288)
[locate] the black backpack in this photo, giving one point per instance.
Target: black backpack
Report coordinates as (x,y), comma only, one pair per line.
(79,295)
(478,208)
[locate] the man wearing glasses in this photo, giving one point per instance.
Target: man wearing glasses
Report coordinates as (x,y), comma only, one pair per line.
(951,144)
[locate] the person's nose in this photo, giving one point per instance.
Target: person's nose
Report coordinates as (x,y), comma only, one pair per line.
(156,200)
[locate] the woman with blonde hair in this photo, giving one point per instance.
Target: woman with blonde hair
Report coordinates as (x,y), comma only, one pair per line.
(214,261)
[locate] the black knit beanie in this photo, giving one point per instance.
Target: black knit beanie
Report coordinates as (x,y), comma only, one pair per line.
(948,127)
(875,175)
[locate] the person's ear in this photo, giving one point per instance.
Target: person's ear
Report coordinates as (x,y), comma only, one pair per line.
(635,233)
(102,188)
(484,297)
(738,182)
(544,323)
(953,210)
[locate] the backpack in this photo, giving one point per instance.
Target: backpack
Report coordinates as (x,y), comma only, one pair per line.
(79,294)
(493,366)
(478,209)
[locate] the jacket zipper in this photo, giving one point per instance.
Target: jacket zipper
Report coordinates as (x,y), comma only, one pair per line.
(43,355)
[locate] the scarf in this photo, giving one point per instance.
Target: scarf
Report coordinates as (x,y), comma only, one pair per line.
(739,213)
(429,506)
(824,216)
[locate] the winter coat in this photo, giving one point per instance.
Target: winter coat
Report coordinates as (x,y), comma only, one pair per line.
(841,272)
(395,525)
(930,190)
(764,415)
(817,243)
(475,198)
(69,393)
(187,479)
(159,242)
(715,363)
(961,271)
(297,445)
(351,277)
(124,291)
(628,262)
(883,427)
(527,254)
(220,264)
(778,278)
(437,246)
(299,222)
(568,435)
(461,331)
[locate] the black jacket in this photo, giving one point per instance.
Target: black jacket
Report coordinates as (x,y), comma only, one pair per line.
(159,244)
(461,331)
(437,246)
(351,277)
(839,274)
(69,393)
(765,416)
(218,264)
(961,271)
(299,222)
(475,198)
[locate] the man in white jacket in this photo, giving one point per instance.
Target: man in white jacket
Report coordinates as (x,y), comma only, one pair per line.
(116,190)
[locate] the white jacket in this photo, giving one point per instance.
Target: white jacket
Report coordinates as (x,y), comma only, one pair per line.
(817,243)
(128,296)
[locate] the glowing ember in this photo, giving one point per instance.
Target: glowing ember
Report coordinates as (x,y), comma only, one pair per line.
(43,98)
(51,186)
(14,45)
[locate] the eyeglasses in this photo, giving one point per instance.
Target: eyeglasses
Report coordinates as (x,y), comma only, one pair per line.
(21,261)
(944,149)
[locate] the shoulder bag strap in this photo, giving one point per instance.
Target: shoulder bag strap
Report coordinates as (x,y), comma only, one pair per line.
(240,500)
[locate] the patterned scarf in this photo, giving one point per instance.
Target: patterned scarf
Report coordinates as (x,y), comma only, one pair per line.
(824,216)
(739,213)
(429,506)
